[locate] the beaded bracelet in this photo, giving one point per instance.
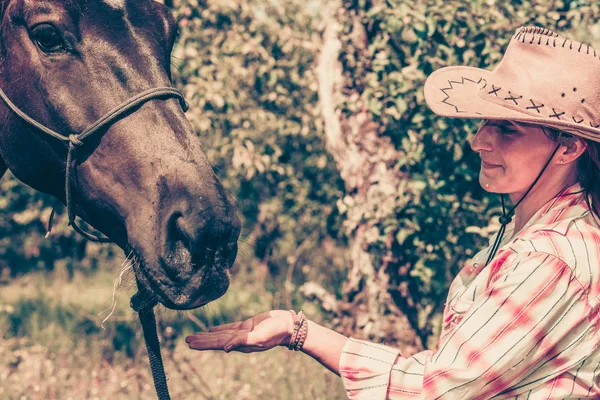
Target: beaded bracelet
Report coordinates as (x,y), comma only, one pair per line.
(300,331)
(302,334)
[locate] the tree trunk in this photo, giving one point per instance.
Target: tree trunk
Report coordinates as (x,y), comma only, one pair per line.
(367,163)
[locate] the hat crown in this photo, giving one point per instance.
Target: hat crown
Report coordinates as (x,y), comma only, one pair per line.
(542,68)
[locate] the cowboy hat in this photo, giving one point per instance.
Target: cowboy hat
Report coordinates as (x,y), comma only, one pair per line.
(543,78)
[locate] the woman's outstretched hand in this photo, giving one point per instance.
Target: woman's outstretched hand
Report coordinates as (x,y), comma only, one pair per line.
(259,333)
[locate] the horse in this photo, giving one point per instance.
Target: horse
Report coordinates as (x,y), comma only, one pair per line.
(101,70)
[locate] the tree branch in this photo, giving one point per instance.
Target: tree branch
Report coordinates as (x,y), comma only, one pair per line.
(329,73)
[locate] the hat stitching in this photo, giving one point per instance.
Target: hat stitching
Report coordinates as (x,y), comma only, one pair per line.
(513,98)
(535,107)
(495,90)
(462,82)
(521,36)
(556,114)
(535,29)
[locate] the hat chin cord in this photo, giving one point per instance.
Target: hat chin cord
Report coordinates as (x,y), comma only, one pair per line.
(505,218)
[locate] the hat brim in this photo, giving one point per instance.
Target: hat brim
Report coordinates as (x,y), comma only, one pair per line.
(456,92)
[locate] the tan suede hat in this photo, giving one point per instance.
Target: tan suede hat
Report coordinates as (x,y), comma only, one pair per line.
(543,78)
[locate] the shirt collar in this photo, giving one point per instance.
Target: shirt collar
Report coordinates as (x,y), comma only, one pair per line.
(567,204)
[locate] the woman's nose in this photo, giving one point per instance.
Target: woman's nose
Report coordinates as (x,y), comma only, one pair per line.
(482,140)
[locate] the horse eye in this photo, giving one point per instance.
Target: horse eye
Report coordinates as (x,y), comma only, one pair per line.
(47,38)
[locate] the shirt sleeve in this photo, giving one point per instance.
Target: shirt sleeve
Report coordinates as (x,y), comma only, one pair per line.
(529,324)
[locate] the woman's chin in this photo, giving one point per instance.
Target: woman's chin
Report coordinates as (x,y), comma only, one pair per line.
(486,183)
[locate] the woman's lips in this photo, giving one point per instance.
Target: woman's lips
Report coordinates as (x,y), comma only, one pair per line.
(488,165)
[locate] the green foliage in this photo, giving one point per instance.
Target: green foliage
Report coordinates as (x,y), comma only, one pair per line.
(247,68)
(24,215)
(388,50)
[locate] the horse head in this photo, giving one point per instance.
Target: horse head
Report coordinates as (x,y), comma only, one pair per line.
(143,179)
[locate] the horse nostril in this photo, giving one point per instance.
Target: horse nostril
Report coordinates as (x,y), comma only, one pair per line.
(199,240)
(181,231)
(196,242)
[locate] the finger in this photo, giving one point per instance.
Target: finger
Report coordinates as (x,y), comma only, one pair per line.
(215,342)
(207,335)
(224,327)
(237,342)
(248,342)
(248,324)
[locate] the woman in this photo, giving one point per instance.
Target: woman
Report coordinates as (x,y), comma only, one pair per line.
(521,320)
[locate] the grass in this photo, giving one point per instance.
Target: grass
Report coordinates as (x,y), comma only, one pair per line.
(53,347)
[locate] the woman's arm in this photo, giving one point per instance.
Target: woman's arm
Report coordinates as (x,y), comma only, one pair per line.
(325,346)
(268,330)
(532,311)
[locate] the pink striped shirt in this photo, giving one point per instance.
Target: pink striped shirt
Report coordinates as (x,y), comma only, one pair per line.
(524,327)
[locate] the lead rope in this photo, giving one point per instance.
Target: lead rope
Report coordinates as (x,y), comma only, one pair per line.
(143,305)
(505,218)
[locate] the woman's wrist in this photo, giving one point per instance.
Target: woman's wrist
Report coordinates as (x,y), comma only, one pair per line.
(300,331)
(288,319)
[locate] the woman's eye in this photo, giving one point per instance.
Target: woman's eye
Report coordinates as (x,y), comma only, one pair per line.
(507,131)
(47,38)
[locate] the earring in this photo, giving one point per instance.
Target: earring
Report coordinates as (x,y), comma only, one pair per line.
(561,161)
(487,185)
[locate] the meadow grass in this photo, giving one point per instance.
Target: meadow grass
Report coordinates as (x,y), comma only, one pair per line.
(53,346)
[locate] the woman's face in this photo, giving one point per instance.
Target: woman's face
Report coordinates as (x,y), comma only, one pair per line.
(512,155)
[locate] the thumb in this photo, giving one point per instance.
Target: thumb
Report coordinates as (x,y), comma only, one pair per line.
(238,340)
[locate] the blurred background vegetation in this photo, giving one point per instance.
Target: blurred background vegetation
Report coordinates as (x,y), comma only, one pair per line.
(358,204)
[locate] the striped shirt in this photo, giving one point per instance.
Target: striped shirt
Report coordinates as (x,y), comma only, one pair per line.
(524,327)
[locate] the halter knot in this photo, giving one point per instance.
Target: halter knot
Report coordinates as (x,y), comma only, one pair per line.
(142,303)
(504,219)
(75,140)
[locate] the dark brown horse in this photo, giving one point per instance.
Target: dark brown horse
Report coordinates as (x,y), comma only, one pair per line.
(141,179)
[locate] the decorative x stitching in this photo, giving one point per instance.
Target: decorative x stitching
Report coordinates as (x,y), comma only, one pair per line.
(535,106)
(555,115)
(451,87)
(513,98)
(494,90)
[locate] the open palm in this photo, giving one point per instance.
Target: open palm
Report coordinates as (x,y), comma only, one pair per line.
(259,333)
